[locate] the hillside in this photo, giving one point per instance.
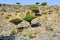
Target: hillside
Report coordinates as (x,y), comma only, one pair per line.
(30,22)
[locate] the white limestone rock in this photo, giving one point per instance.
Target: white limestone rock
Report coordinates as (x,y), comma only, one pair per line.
(23,24)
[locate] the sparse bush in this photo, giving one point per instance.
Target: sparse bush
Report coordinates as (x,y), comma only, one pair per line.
(49,28)
(35,10)
(31,36)
(0,5)
(50,11)
(4,10)
(43,3)
(37,3)
(44,12)
(25,39)
(20,30)
(15,13)
(57,8)
(17,3)
(14,32)
(7,17)
(2,14)
(29,18)
(27,13)
(16,21)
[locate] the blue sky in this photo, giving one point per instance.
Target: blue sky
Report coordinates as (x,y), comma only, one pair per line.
(29,2)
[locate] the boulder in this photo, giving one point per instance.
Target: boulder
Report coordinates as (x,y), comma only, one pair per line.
(34,21)
(23,24)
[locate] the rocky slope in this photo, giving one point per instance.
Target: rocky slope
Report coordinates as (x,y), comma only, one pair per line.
(43,27)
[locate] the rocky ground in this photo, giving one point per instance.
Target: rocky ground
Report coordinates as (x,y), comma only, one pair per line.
(47,26)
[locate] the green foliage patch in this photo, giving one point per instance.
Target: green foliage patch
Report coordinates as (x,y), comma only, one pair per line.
(34,8)
(16,21)
(29,17)
(43,3)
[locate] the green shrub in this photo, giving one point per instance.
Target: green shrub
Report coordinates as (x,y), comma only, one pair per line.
(3,10)
(31,36)
(29,18)
(44,12)
(14,32)
(49,28)
(37,3)
(25,39)
(20,30)
(7,17)
(50,10)
(34,8)
(27,13)
(43,3)
(2,14)
(16,21)
(0,5)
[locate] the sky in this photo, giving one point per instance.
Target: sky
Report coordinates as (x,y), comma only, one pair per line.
(29,2)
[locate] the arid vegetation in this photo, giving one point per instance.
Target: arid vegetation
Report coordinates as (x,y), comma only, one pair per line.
(36,22)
